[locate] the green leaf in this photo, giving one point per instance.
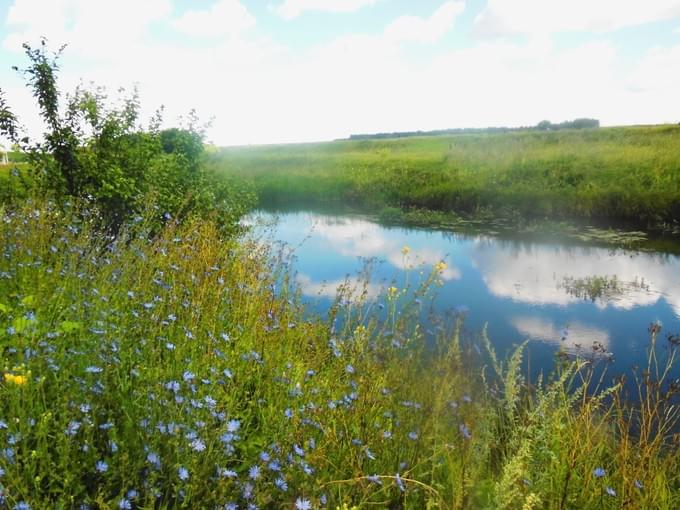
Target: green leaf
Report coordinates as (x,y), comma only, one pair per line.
(21,324)
(4,308)
(28,300)
(70,326)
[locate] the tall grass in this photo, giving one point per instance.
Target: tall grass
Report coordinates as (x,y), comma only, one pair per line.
(180,372)
(611,174)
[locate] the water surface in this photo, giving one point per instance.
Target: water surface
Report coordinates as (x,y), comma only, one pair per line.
(522,290)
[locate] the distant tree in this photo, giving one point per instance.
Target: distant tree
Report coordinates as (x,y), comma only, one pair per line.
(544,125)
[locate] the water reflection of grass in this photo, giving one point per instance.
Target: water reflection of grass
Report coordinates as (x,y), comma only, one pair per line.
(601,288)
(170,373)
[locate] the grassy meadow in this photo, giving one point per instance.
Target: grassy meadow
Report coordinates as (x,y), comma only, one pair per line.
(178,372)
(627,175)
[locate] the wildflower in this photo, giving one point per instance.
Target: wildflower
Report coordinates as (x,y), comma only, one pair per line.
(369,454)
(405,250)
(638,484)
(254,472)
(599,472)
(183,473)
(94,370)
(611,492)
(72,428)
(413,435)
(298,451)
(101,466)
(231,506)
(399,483)
(303,504)
(247,491)
(2,472)
(281,484)
(22,505)
(349,369)
(288,413)
(440,266)
(374,479)
(173,386)
(197,445)
(387,434)
(125,504)
(154,459)
(465,431)
(233,425)
(19,380)
(227,473)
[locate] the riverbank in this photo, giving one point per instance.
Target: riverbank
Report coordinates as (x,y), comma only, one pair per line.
(626,176)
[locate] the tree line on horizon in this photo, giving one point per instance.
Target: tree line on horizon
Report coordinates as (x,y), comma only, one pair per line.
(544,125)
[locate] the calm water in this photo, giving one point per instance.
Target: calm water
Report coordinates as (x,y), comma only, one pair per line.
(521,289)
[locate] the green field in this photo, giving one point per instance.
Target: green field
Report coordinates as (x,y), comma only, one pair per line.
(628,175)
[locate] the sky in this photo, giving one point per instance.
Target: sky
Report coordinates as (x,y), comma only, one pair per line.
(281,71)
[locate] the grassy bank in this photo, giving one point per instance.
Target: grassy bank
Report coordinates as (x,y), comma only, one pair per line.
(611,175)
(11,186)
(178,373)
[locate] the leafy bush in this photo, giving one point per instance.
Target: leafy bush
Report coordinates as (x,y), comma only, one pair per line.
(100,153)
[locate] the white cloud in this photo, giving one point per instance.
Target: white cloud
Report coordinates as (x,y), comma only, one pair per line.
(361,238)
(532,17)
(223,18)
(352,287)
(576,337)
(430,30)
(535,275)
(94,29)
(290,9)
(260,91)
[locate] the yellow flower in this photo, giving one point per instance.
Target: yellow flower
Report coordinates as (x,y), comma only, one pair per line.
(405,250)
(16,379)
(440,266)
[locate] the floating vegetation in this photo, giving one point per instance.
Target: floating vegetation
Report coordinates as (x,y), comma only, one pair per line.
(601,288)
(611,236)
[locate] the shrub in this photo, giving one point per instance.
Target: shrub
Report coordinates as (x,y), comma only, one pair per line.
(91,150)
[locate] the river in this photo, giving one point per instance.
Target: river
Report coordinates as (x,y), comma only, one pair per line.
(580,300)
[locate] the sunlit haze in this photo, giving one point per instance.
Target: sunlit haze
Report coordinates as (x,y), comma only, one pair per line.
(305,70)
